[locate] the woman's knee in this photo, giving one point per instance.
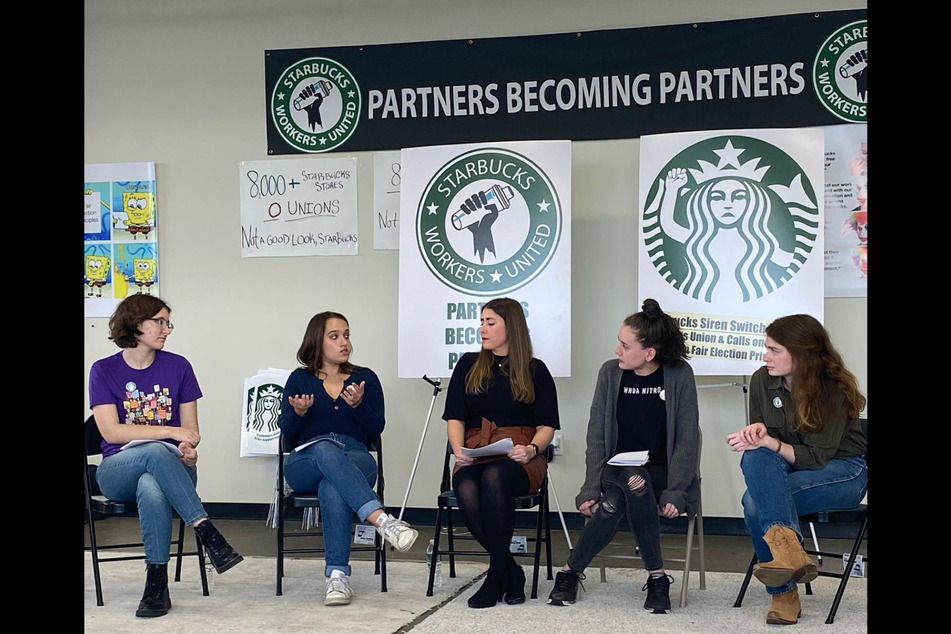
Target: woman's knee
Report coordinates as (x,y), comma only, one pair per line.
(149,492)
(612,503)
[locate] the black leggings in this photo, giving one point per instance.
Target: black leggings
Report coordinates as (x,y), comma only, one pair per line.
(486,494)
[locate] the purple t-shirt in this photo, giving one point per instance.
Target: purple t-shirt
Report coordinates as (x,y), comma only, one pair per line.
(150,396)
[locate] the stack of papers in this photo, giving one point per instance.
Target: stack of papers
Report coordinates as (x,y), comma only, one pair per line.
(135,443)
(498,448)
(630,459)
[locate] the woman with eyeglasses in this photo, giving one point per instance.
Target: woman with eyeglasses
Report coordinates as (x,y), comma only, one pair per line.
(144,393)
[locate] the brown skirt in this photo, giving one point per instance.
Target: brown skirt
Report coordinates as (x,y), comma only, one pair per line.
(489,433)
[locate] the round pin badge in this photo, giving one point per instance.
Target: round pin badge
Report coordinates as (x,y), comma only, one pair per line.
(777,402)
(663,395)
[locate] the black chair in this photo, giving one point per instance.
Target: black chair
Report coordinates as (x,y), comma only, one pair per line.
(99,506)
(694,517)
(309,500)
(855,515)
(446,502)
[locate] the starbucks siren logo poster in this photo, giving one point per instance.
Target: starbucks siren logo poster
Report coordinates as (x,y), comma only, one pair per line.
(731,235)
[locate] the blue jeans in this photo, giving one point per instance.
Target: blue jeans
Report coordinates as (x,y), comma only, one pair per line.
(343,478)
(158,481)
(776,494)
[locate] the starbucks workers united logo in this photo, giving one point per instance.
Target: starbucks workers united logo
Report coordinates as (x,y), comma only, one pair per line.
(730,218)
(840,73)
(488,222)
(315,105)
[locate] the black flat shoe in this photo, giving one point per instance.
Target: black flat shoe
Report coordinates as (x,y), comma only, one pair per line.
(515,592)
(491,592)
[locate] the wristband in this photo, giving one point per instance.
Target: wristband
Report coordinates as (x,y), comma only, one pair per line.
(537,450)
(779,447)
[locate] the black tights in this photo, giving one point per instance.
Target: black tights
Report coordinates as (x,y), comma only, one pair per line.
(486,494)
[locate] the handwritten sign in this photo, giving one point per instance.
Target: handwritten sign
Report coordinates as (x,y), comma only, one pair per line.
(298,207)
(386,200)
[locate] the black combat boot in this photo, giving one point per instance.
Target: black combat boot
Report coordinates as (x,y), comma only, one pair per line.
(223,556)
(155,600)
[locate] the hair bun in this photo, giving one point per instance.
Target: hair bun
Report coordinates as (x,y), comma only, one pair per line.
(651,309)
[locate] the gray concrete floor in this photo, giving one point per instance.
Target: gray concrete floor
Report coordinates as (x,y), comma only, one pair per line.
(722,553)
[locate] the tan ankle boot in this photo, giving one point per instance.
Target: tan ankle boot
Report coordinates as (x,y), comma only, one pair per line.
(785,609)
(790,562)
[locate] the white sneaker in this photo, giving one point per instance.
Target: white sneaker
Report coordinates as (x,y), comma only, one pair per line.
(398,533)
(339,591)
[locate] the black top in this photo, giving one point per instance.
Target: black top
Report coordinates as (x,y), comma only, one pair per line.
(642,414)
(497,403)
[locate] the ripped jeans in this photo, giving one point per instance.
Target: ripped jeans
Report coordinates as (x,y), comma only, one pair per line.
(777,494)
(617,502)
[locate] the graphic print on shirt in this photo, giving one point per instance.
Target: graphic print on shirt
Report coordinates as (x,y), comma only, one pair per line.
(147,408)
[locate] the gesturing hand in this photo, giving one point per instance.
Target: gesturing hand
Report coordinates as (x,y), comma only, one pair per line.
(353,393)
(301,403)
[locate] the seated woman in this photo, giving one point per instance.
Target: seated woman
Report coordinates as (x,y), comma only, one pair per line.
(147,393)
(645,400)
(499,392)
(335,406)
(803,451)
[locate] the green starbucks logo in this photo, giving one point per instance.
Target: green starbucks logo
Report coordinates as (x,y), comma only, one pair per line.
(316,105)
(719,227)
(489,222)
(264,411)
(840,73)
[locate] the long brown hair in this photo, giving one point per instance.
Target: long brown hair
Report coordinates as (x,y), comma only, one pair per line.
(656,329)
(819,377)
(519,363)
(311,351)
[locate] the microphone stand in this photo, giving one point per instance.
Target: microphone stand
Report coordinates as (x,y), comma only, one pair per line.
(436,389)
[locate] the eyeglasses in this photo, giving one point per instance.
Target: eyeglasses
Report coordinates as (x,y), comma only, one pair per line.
(162,322)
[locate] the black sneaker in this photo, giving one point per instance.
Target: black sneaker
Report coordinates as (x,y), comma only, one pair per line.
(658,593)
(565,591)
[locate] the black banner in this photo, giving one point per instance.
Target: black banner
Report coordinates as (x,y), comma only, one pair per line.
(784,71)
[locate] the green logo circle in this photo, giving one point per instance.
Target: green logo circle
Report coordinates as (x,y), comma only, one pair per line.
(718,227)
(840,73)
(489,222)
(316,105)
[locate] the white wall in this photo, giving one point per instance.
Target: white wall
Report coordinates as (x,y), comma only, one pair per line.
(181,83)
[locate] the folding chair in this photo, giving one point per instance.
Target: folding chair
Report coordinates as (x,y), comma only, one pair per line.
(445,503)
(309,500)
(857,514)
(694,525)
(100,505)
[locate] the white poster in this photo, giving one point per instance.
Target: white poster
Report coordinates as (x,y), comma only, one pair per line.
(731,237)
(298,207)
(120,235)
(386,200)
(846,221)
(261,411)
(481,221)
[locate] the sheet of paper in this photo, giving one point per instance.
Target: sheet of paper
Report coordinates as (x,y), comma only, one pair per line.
(498,448)
(135,443)
(629,458)
(311,442)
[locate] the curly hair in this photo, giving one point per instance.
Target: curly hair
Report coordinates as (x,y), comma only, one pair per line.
(820,379)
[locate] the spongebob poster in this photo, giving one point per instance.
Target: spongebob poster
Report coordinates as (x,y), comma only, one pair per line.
(120,235)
